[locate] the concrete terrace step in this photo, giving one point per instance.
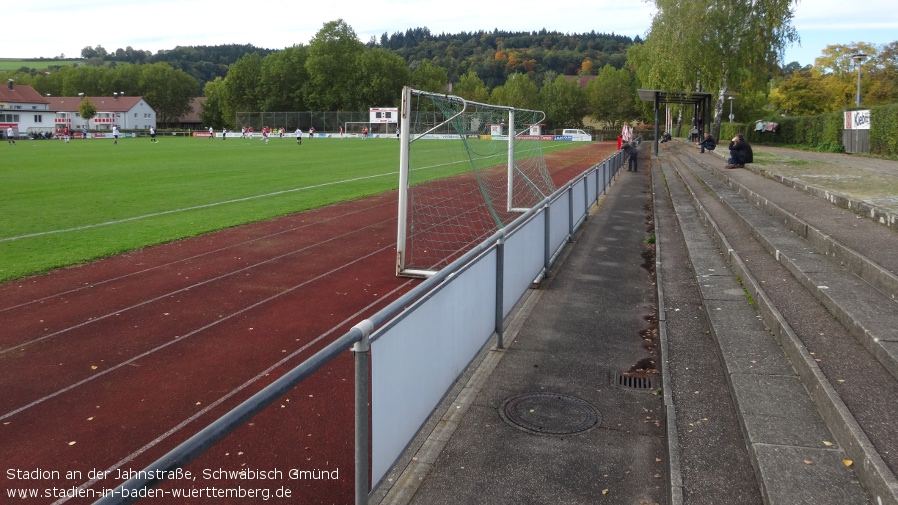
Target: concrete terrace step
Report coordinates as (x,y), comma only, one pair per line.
(867,313)
(870,315)
(786,436)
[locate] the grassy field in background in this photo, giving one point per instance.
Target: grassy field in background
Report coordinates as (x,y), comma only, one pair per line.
(15,64)
(64,204)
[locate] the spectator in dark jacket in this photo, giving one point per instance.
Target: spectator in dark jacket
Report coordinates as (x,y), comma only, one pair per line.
(708,143)
(632,150)
(740,152)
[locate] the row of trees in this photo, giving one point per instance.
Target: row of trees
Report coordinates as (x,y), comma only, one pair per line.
(203,63)
(337,72)
(495,56)
(831,83)
(730,49)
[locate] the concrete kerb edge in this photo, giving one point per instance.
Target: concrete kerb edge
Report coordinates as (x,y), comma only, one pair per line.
(876,477)
(675,474)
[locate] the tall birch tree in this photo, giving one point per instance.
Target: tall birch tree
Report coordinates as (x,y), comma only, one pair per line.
(717,46)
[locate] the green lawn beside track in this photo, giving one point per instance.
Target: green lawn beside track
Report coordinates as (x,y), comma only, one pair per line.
(63,204)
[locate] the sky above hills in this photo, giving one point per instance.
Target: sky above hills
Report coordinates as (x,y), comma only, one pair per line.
(53,27)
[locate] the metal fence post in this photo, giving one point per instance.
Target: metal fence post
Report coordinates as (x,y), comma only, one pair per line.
(570,212)
(547,249)
(361,351)
(586,202)
(500,290)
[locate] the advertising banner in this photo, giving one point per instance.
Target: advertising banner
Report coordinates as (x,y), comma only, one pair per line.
(857,120)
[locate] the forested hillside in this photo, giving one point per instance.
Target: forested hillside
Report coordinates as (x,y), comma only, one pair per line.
(494,55)
(203,63)
(522,69)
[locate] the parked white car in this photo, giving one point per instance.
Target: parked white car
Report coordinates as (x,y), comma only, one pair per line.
(577,135)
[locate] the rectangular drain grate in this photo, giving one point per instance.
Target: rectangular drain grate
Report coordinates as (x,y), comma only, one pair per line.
(643,383)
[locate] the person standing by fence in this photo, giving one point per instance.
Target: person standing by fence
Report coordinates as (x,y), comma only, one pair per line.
(632,150)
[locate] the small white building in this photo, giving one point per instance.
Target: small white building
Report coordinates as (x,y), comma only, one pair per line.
(24,110)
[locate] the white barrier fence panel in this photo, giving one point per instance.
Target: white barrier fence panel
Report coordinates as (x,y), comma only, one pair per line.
(418,361)
(559,223)
(524,260)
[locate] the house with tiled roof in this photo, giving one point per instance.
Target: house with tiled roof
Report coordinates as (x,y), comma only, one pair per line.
(27,112)
(126,112)
(191,120)
(24,110)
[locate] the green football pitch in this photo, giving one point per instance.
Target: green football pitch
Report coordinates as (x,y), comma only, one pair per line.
(64,204)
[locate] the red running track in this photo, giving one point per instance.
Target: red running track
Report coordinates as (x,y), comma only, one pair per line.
(106,367)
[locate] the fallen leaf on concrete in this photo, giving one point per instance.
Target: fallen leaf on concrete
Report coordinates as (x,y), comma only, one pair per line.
(604,491)
(847,462)
(827,443)
(808,462)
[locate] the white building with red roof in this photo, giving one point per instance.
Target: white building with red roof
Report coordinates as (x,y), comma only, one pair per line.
(126,112)
(24,109)
(27,112)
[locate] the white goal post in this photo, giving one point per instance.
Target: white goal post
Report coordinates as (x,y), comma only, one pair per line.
(466,169)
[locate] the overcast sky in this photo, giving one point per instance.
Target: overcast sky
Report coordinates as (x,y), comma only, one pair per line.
(48,28)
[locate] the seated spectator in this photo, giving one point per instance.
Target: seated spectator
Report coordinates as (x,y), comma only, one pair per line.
(740,152)
(708,143)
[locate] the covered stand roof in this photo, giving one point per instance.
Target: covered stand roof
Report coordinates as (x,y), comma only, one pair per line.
(658,96)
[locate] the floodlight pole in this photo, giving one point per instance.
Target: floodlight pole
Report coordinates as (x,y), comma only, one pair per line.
(859,58)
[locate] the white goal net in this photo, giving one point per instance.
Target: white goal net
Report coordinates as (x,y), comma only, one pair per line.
(467,169)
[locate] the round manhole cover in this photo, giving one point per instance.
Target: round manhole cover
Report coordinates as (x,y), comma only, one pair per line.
(549,413)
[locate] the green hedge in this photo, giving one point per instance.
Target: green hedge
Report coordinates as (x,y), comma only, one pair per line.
(823,132)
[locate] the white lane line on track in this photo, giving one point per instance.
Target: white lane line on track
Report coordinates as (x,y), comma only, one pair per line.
(181,290)
(186,336)
(195,207)
(93,285)
(127,459)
